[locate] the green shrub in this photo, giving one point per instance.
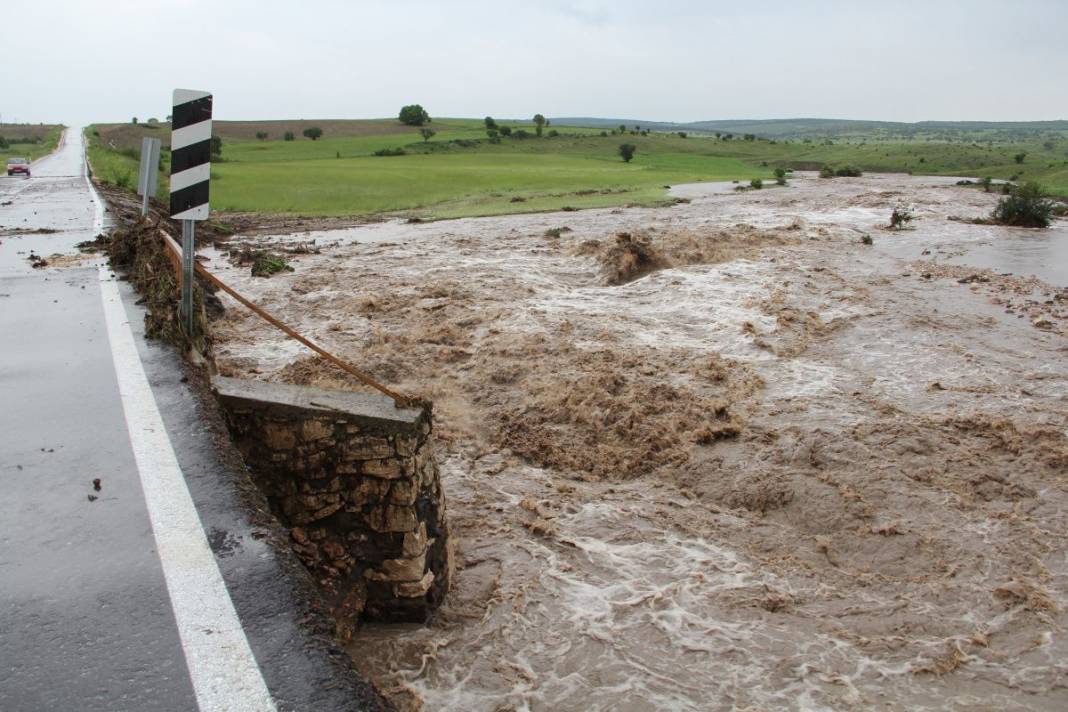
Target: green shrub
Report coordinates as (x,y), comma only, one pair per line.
(427,134)
(312,132)
(261,135)
(1025,206)
(1019,157)
(626,151)
(288,136)
(520,134)
(849,172)
(756,184)
(986,182)
(826,172)
(553,133)
(506,131)
(265,264)
(390,152)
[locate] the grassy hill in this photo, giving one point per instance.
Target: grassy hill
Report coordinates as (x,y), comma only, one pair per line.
(841,129)
(461,172)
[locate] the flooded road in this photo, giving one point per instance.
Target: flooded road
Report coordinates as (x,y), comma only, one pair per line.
(51,212)
(737,459)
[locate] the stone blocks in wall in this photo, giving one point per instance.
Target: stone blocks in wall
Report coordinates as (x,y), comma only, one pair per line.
(356,480)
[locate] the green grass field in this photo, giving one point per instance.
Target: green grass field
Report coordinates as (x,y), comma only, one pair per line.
(460,173)
(44,139)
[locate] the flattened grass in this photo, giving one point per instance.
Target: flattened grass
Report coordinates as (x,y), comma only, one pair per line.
(462,184)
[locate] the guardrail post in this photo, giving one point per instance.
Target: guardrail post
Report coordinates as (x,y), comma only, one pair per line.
(188,253)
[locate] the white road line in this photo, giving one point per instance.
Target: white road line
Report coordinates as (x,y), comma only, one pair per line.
(224,672)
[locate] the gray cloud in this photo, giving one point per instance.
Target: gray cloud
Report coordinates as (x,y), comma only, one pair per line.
(113,59)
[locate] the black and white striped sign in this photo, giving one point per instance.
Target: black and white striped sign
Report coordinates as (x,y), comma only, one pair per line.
(190,154)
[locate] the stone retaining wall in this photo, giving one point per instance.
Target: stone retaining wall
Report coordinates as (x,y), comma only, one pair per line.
(356,480)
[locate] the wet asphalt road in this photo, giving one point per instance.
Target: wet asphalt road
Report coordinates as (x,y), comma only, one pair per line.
(86,622)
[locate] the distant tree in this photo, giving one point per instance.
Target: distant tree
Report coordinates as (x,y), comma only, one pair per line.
(780,176)
(756,184)
(553,133)
(622,128)
(728,137)
(749,137)
(427,134)
(539,123)
(637,128)
(216,147)
(505,131)
(986,183)
(605,133)
(1019,157)
(312,132)
(288,136)
(826,172)
(626,151)
(682,134)
(490,123)
(494,135)
(4,143)
(1048,145)
(153,121)
(718,134)
(133,121)
(520,133)
(414,115)
(168,118)
(261,135)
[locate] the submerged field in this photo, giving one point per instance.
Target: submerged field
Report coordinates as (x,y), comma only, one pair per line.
(459,172)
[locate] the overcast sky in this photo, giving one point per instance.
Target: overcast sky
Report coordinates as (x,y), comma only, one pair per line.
(76,61)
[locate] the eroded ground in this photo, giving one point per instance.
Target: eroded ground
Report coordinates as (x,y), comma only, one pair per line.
(736,459)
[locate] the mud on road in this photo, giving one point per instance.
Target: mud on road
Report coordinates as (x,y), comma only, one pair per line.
(736,459)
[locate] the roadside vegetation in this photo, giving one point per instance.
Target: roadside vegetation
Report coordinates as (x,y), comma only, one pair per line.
(435,167)
(29,141)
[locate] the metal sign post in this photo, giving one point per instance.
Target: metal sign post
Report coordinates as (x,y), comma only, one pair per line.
(148,175)
(188,255)
(190,176)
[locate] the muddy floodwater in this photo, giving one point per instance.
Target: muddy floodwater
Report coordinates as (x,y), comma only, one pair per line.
(717,456)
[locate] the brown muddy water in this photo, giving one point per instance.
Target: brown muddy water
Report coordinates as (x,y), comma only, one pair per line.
(736,460)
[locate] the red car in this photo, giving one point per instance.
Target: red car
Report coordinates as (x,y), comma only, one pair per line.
(18,165)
